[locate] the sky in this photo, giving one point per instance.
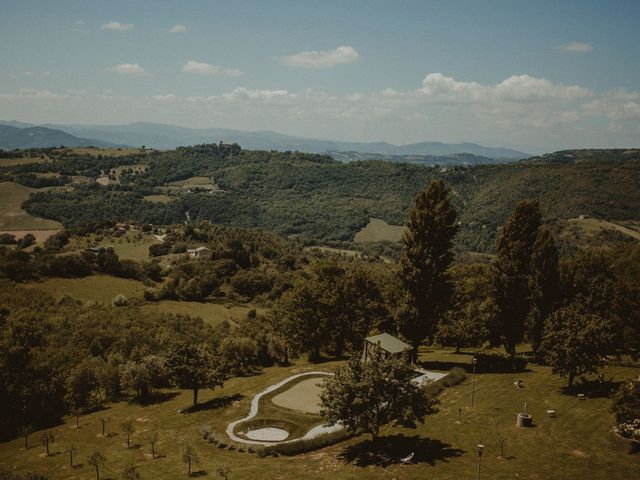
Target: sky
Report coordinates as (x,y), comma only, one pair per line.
(538,75)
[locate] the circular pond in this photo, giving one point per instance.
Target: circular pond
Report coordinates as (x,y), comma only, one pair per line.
(268,434)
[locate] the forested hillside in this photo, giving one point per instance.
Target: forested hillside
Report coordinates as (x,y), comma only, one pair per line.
(315,196)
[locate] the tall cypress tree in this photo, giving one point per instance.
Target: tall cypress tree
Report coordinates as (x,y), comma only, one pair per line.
(544,285)
(425,258)
(513,269)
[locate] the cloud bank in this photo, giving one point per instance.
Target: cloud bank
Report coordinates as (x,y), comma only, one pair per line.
(519,110)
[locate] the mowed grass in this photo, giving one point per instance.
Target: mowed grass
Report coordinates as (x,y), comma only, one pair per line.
(379,231)
(13,217)
(211,313)
(579,443)
(97,288)
(304,396)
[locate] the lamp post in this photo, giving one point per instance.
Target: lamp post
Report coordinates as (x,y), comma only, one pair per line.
(473,380)
(480,449)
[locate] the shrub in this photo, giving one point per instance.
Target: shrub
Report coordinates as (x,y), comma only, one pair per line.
(455,376)
(500,363)
(205,431)
(305,445)
(222,445)
(119,300)
(629,430)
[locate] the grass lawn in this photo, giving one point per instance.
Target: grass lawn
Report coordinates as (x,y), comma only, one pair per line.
(378,231)
(304,396)
(579,443)
(98,288)
(212,313)
(12,217)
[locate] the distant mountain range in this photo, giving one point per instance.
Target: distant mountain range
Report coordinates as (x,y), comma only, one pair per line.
(160,136)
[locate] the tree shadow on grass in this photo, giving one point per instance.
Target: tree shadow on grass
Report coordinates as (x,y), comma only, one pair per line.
(389,450)
(635,448)
(155,398)
(214,403)
(199,473)
(593,388)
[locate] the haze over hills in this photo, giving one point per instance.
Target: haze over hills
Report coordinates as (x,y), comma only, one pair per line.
(161,136)
(12,137)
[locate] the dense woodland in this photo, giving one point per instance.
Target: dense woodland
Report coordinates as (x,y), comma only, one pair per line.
(314,196)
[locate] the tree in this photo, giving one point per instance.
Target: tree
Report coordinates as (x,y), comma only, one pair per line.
(575,341)
(96,460)
(239,353)
(426,256)
(194,367)
(367,395)
(626,402)
(46,438)
(223,471)
(152,438)
(130,472)
(468,320)
(189,456)
(25,431)
(544,284)
(81,384)
(513,268)
(71,449)
(128,428)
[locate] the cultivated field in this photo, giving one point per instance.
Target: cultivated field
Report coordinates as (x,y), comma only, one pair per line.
(576,444)
(10,162)
(379,231)
(12,217)
(107,152)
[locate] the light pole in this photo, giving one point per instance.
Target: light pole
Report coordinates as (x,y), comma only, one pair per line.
(473,380)
(480,448)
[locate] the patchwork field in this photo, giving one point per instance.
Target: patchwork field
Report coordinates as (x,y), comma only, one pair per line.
(379,231)
(97,288)
(108,152)
(576,444)
(12,217)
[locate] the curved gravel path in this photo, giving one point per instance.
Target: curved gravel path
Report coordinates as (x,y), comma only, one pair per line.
(253,411)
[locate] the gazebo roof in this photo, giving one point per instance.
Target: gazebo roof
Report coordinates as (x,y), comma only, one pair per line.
(389,343)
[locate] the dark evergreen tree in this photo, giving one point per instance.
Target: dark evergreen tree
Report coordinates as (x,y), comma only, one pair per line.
(513,269)
(544,284)
(425,258)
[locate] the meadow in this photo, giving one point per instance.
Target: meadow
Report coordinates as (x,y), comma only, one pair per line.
(13,217)
(378,230)
(575,444)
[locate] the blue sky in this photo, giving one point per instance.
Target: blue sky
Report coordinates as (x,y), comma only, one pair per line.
(531,74)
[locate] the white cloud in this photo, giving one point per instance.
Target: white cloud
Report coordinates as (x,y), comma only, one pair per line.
(178,28)
(207,69)
(517,88)
(121,27)
(129,70)
(576,47)
(321,59)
